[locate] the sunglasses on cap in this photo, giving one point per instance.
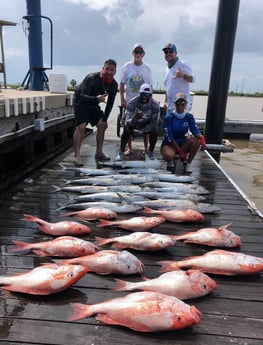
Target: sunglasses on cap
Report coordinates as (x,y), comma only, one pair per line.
(138,52)
(145,94)
(168,51)
(180,102)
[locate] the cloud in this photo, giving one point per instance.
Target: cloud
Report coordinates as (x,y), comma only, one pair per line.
(86,32)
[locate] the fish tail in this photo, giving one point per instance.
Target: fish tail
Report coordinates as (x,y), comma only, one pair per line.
(103,222)
(147,210)
(30,218)
(80,311)
(57,188)
(68,214)
(168,266)
(19,245)
(121,285)
(101,241)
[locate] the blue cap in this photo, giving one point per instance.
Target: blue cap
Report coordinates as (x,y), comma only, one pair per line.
(170,46)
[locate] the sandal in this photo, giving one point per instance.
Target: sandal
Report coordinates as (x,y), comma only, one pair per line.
(102,157)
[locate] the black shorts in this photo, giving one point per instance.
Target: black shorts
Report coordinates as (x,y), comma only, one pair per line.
(86,114)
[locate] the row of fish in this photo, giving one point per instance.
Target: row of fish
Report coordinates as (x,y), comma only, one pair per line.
(159,306)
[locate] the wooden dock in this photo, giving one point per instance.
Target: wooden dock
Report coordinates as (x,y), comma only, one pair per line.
(232,314)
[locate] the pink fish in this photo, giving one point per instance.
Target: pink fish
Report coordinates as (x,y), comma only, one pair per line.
(141,311)
(67,246)
(139,241)
(135,223)
(177,216)
(92,213)
(110,262)
(180,284)
(44,280)
(220,237)
(65,227)
(218,262)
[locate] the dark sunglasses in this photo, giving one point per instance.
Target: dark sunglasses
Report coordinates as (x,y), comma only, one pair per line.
(180,102)
(138,52)
(168,51)
(145,94)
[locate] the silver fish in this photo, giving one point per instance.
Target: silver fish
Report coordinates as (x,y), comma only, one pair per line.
(107,196)
(178,187)
(170,195)
(138,171)
(164,203)
(175,178)
(87,171)
(113,206)
(146,164)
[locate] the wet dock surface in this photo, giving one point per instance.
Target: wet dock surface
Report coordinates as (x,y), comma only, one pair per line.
(232,314)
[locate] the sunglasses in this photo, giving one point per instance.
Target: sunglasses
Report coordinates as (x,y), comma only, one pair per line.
(180,102)
(168,51)
(145,94)
(138,52)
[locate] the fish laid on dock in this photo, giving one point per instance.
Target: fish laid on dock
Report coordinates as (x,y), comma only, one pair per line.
(109,262)
(170,204)
(218,262)
(113,206)
(92,213)
(180,284)
(146,164)
(220,237)
(152,194)
(143,241)
(177,187)
(44,280)
(66,246)
(64,227)
(135,223)
(177,215)
(144,311)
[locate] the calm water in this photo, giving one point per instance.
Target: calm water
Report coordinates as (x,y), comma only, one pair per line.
(245,164)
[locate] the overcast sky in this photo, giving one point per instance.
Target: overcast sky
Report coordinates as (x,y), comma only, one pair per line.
(86,32)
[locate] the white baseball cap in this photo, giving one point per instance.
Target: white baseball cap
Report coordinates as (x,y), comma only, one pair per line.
(138,45)
(146,88)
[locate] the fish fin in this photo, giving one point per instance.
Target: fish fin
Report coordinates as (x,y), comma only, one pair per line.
(103,222)
(121,285)
(80,311)
(224,227)
(168,266)
(19,245)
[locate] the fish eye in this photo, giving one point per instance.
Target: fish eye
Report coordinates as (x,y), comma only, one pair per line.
(179,319)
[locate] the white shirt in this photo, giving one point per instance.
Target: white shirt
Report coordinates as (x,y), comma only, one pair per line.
(175,85)
(133,77)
